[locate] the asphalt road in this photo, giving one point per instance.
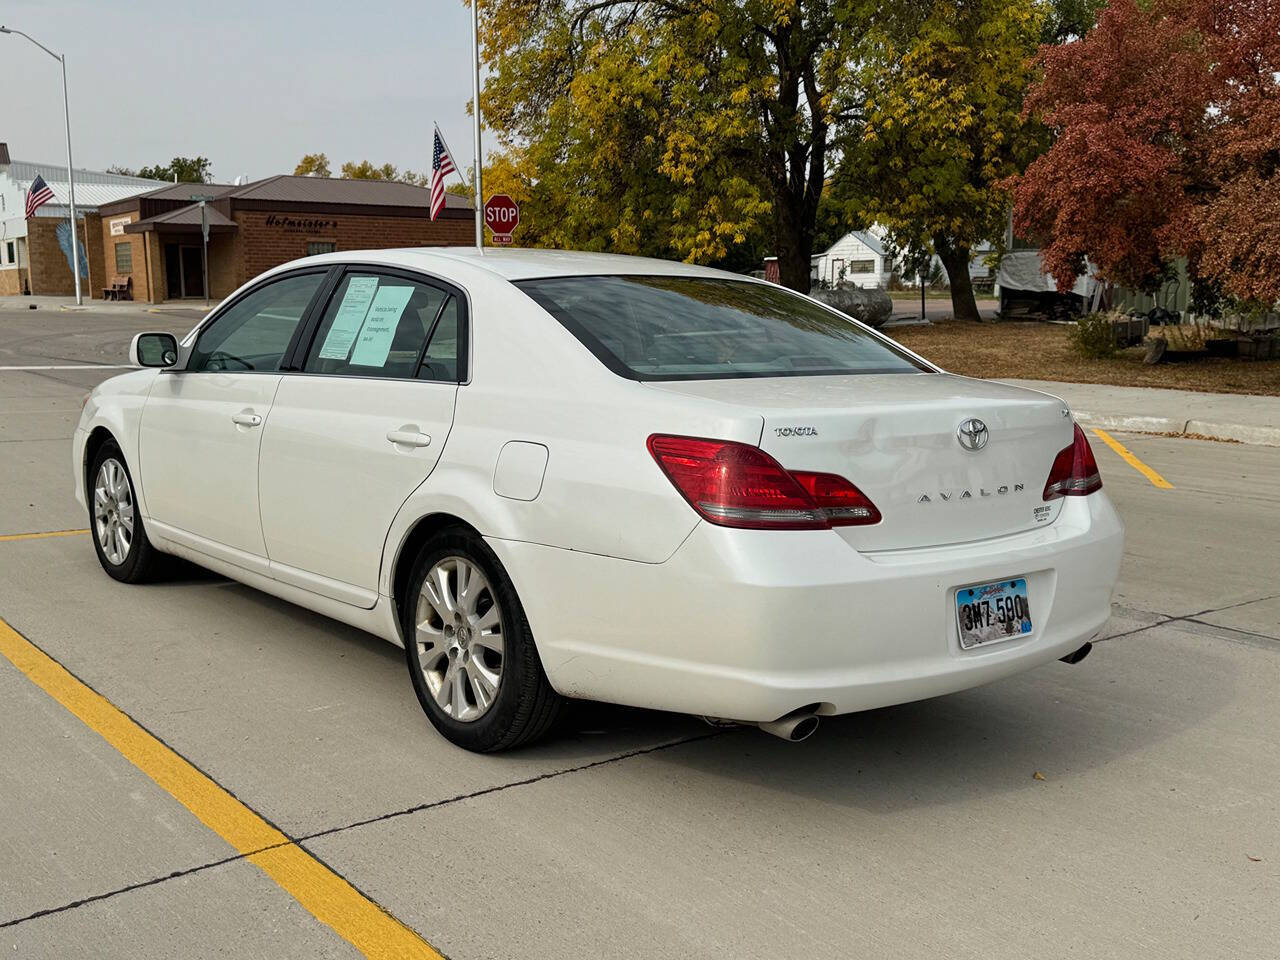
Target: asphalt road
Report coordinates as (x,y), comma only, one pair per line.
(907,309)
(914,831)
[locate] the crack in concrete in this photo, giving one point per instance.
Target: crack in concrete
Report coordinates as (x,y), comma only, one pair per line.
(331,831)
(301,841)
(1194,618)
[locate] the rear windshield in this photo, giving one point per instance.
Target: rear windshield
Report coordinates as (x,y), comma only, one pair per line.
(700,328)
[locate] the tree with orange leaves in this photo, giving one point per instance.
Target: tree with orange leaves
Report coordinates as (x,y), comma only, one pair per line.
(1167,143)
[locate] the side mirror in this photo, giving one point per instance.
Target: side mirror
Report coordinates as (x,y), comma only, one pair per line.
(154,350)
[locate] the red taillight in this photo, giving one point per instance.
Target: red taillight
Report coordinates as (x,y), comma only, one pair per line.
(738,485)
(841,503)
(1074,472)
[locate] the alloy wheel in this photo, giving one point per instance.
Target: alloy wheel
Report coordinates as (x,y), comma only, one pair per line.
(113,513)
(459,638)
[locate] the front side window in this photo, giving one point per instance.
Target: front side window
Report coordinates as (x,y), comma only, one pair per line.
(315,247)
(124,257)
(699,328)
(253,334)
(10,250)
(377,325)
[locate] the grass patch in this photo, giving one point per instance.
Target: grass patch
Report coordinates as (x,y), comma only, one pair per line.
(1042,351)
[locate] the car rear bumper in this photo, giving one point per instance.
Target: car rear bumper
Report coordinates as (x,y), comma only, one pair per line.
(751,625)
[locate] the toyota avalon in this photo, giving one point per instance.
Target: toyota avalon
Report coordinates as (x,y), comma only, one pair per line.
(555,475)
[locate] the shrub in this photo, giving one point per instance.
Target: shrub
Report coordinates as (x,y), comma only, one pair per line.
(1094,336)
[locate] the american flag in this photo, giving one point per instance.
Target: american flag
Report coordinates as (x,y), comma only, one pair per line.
(39,193)
(441,166)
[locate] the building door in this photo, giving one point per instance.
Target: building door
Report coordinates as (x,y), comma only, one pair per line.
(192,272)
(172,272)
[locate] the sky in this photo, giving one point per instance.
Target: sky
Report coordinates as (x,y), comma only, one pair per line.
(251,86)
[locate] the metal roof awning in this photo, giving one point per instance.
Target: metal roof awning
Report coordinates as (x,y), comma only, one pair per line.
(184,220)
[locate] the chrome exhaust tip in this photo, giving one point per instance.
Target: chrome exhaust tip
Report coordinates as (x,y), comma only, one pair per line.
(794,727)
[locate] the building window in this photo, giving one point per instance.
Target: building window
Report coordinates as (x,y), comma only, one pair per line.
(320,246)
(124,258)
(8,249)
(861,266)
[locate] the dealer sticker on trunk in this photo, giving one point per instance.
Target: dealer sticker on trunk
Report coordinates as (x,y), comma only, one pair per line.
(991,612)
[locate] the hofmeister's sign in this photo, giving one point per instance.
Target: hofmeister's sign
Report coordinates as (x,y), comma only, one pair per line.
(300,224)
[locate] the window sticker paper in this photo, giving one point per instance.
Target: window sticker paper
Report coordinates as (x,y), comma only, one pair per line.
(350,317)
(374,342)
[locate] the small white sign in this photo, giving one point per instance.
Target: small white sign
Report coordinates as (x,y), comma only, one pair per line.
(118,225)
(351,313)
(374,343)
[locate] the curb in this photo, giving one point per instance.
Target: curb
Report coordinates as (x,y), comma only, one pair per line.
(1240,432)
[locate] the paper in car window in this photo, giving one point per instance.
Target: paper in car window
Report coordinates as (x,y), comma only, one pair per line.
(350,317)
(374,342)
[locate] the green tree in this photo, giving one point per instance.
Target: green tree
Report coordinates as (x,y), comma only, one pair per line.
(701,129)
(188,170)
(1069,20)
(944,129)
(313,165)
(364,170)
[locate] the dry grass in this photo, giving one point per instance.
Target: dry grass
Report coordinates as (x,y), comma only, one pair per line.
(1041,351)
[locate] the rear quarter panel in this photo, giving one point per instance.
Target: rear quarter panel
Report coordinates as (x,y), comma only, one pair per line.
(602,492)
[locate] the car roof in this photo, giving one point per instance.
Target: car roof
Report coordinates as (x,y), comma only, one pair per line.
(523,264)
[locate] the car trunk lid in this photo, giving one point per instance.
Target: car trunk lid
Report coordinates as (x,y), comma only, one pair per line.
(897,438)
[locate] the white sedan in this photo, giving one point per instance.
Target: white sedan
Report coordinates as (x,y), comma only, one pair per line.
(553,475)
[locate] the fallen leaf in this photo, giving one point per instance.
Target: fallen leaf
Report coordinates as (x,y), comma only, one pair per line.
(1253,859)
(1038,775)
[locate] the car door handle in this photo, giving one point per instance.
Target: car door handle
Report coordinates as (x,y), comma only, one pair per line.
(408,438)
(245,419)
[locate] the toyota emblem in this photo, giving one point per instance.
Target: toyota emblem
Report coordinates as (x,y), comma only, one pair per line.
(972,434)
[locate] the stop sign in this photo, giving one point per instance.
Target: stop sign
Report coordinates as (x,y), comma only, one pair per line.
(501,215)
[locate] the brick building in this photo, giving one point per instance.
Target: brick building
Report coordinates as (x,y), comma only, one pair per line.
(35,253)
(153,240)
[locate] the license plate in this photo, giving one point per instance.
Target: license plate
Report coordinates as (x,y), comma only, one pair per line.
(991,612)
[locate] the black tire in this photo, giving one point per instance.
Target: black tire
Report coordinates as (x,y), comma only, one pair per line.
(142,562)
(525,706)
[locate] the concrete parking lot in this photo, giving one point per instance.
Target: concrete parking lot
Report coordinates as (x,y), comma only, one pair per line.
(1128,806)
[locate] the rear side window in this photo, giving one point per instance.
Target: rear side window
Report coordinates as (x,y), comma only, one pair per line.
(440,362)
(699,328)
(378,325)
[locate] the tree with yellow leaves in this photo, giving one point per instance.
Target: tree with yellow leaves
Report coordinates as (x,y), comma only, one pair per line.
(944,129)
(699,129)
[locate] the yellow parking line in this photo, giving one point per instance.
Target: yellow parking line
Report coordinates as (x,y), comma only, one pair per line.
(42,536)
(1133,461)
(328,897)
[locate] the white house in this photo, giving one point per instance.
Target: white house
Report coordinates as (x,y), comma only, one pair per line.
(859,257)
(35,255)
(864,258)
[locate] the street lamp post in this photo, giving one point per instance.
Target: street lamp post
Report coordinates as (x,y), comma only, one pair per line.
(475,96)
(71,176)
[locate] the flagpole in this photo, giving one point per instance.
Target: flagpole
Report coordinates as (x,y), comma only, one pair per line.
(71,177)
(475,110)
(449,152)
(71,182)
